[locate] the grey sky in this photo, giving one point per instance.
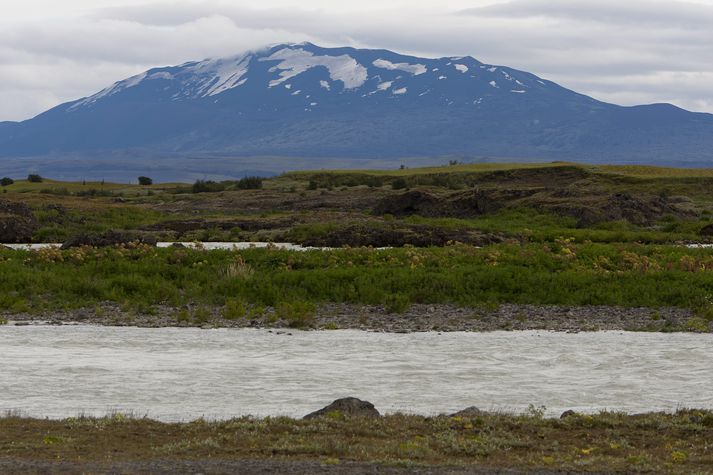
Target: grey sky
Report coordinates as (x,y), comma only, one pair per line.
(622,51)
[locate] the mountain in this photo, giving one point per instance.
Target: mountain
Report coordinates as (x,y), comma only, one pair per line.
(301,100)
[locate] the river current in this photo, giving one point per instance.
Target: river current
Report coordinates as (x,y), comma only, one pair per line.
(181,374)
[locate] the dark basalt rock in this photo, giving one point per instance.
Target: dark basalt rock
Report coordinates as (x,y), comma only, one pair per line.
(398,235)
(707,230)
(471,411)
(17,223)
(349,406)
(411,202)
(110,238)
(568,413)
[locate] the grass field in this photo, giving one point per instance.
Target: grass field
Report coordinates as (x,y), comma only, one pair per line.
(563,273)
(602,443)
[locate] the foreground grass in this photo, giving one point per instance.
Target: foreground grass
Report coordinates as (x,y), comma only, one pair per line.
(606,442)
(563,273)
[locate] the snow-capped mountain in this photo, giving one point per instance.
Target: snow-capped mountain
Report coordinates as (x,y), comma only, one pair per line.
(302,100)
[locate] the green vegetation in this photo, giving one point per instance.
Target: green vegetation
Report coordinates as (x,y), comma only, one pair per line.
(208,186)
(563,272)
(57,224)
(5,181)
(145,181)
(424,207)
(603,443)
(32,178)
(487,234)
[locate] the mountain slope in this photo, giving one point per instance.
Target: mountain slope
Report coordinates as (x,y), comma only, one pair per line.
(307,101)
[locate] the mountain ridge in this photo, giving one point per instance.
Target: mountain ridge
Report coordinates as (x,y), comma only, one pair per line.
(301,100)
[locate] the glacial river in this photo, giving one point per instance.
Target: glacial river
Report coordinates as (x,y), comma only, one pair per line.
(182,374)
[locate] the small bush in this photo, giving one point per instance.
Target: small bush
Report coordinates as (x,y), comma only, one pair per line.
(397,303)
(201,315)
(399,184)
(206,186)
(33,178)
(298,314)
(6,181)
(145,181)
(250,183)
(234,310)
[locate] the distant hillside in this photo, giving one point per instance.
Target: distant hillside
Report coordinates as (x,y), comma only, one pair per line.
(300,100)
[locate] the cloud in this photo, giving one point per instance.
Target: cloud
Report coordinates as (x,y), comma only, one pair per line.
(626,52)
(646,13)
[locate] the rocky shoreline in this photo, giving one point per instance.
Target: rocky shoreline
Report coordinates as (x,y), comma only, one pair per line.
(417,318)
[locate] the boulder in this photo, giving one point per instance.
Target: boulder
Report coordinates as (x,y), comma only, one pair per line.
(707,230)
(349,406)
(110,238)
(411,202)
(468,412)
(568,413)
(17,223)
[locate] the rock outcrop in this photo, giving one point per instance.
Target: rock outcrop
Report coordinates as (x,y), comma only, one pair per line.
(17,223)
(349,406)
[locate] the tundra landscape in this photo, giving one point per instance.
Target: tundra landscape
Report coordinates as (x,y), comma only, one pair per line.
(321,237)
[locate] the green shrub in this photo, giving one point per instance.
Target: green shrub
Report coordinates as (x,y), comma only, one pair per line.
(6,181)
(34,178)
(298,314)
(250,183)
(397,303)
(234,310)
(145,181)
(207,186)
(399,184)
(201,315)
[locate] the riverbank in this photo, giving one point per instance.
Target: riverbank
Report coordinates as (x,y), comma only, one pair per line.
(337,443)
(416,318)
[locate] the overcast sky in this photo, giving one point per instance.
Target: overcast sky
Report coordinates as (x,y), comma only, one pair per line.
(622,51)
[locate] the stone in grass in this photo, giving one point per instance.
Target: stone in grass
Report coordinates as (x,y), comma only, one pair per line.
(349,406)
(568,413)
(468,412)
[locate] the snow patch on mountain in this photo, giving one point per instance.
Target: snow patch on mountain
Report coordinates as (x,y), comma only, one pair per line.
(462,68)
(111,90)
(219,75)
(415,69)
(296,61)
(160,75)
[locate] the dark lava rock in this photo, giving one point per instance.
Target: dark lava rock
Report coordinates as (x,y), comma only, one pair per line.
(398,235)
(182,227)
(568,413)
(471,411)
(707,230)
(110,238)
(411,202)
(349,406)
(17,223)
(640,209)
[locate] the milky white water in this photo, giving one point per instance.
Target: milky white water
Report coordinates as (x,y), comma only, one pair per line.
(208,246)
(182,374)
